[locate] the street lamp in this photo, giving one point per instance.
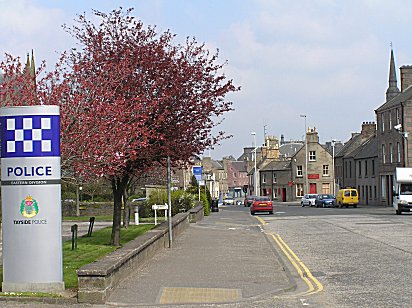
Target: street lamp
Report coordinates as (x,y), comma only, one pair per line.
(405,136)
(255,173)
(333,165)
(306,154)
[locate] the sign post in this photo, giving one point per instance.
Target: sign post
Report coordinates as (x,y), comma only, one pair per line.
(31,199)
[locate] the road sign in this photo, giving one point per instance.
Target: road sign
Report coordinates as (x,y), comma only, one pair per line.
(31,199)
(197,172)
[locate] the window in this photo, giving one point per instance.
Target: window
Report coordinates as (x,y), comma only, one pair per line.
(366,168)
(234,175)
(390,119)
(274,178)
(383,121)
(360,168)
(350,169)
(370,192)
(275,193)
(312,155)
(383,154)
(375,192)
(263,177)
(398,149)
(299,171)
(325,188)
(397,116)
(390,153)
(325,170)
(299,190)
(373,167)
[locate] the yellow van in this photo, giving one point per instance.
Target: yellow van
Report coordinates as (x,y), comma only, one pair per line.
(346,197)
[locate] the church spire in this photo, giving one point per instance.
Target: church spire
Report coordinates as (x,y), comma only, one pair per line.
(393,89)
(32,66)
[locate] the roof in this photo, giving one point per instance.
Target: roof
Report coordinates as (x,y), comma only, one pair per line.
(277,165)
(290,149)
(217,164)
(368,149)
(240,166)
(349,146)
(401,97)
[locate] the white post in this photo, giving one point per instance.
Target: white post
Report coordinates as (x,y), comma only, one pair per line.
(136,215)
(155,217)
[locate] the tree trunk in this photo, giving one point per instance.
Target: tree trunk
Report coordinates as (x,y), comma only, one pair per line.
(126,213)
(118,187)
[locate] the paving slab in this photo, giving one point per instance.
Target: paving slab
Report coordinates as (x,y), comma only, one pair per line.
(224,258)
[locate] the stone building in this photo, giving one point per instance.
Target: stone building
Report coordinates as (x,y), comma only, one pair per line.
(394,122)
(237,177)
(319,169)
(276,179)
(283,177)
(367,179)
(346,174)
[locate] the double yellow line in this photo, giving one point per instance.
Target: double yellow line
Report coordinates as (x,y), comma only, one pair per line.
(314,286)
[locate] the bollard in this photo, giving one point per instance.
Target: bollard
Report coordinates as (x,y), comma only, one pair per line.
(136,215)
(74,237)
(91,224)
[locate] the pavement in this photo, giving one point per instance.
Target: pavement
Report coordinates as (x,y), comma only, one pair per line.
(225,258)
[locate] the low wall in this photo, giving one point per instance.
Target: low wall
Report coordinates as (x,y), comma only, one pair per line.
(87,208)
(97,280)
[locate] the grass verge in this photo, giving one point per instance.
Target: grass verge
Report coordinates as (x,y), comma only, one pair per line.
(88,250)
(110,218)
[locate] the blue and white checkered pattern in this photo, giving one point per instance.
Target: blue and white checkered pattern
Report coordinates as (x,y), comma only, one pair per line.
(30,136)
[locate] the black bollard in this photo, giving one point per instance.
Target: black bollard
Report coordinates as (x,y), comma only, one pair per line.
(91,224)
(74,237)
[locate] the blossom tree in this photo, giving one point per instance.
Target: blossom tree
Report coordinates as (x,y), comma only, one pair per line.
(129,97)
(134,97)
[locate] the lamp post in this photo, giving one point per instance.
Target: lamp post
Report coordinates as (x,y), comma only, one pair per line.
(306,155)
(333,165)
(404,134)
(255,173)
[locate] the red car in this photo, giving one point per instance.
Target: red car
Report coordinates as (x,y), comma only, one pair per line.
(249,200)
(261,204)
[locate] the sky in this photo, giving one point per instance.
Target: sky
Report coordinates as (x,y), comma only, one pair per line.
(326,59)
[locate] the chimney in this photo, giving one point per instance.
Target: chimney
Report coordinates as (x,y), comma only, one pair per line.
(368,130)
(406,77)
(282,139)
(312,135)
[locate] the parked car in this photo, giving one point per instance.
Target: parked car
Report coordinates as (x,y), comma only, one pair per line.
(346,197)
(248,200)
(261,204)
(229,201)
(308,200)
(325,200)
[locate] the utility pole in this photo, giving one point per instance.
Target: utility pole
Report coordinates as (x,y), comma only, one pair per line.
(169,200)
(306,154)
(255,173)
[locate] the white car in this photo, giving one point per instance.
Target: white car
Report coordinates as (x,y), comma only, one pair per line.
(308,200)
(229,201)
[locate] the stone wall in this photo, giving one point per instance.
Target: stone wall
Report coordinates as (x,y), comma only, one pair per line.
(87,208)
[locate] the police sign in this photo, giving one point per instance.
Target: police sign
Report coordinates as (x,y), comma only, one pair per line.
(31,198)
